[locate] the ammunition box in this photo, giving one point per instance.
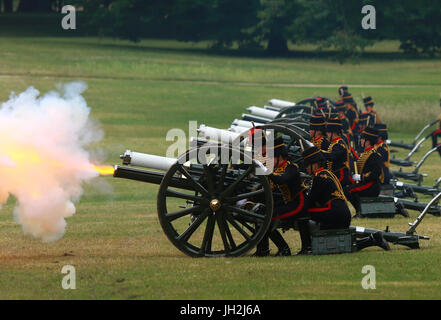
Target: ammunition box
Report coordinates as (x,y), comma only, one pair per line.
(333,241)
(377,207)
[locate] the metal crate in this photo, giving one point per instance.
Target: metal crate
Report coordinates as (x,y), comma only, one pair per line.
(377,207)
(333,241)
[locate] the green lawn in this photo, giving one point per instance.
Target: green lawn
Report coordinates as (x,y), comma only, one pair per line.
(140,91)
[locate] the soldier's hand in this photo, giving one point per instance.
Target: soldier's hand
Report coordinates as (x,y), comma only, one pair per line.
(356,177)
(264,169)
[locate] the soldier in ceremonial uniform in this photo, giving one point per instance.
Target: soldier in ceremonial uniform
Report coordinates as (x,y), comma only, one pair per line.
(338,153)
(369,168)
(342,90)
(326,203)
(317,126)
(369,105)
(362,124)
(345,125)
(384,151)
(287,187)
(351,111)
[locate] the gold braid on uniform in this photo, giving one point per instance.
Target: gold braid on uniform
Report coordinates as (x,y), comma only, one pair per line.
(284,189)
(362,161)
(318,142)
(356,113)
(386,147)
(330,163)
(339,194)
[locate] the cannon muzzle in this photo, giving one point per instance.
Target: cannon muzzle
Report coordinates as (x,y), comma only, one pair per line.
(281,103)
(147,160)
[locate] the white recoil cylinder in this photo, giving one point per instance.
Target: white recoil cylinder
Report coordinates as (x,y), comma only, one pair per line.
(148,160)
(218,134)
(238,129)
(245,124)
(262,112)
(281,103)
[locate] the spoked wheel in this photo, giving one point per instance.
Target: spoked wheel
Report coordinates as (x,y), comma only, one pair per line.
(198,202)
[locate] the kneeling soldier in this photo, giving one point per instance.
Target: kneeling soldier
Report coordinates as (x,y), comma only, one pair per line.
(384,151)
(326,204)
(369,167)
(288,196)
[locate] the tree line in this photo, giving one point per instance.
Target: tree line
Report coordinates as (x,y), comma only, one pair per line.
(262,24)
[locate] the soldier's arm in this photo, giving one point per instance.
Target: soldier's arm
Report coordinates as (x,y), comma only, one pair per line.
(373,167)
(291,174)
(320,187)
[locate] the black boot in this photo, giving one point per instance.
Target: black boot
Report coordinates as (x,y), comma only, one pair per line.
(262,249)
(400,209)
(374,239)
(281,244)
(305,237)
(283,252)
(380,241)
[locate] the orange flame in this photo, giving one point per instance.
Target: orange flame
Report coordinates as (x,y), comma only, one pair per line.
(103,169)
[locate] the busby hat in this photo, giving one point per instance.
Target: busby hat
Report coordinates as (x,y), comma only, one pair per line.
(370,134)
(333,125)
(317,123)
(342,89)
(368,101)
(347,98)
(382,130)
(312,155)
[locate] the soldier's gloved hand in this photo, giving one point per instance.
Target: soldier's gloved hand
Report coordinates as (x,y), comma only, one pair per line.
(240,203)
(265,170)
(356,177)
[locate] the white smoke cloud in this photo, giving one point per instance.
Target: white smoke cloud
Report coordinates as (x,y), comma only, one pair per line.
(43,156)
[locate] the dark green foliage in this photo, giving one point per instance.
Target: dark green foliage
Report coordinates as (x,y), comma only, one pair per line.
(417,25)
(271,23)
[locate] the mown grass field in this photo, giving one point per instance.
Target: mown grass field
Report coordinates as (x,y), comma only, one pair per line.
(140,91)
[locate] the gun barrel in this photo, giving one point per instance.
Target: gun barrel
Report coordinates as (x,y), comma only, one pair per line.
(238,129)
(217,134)
(250,117)
(261,112)
(403,145)
(281,103)
(148,176)
(145,160)
(416,188)
(245,124)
